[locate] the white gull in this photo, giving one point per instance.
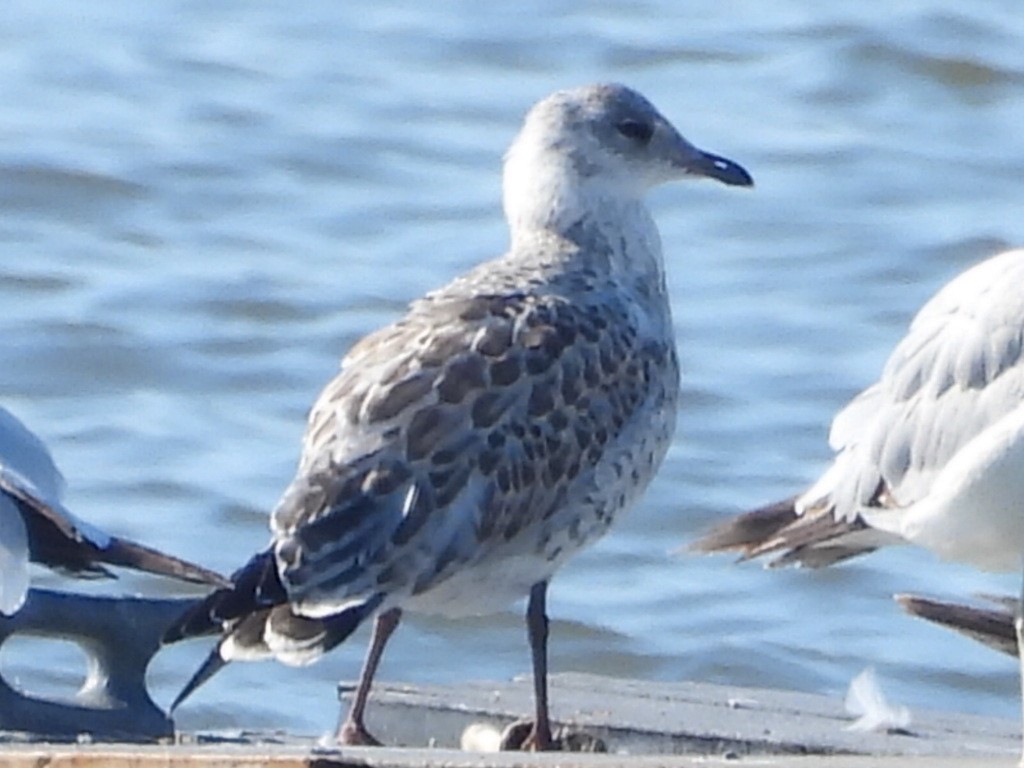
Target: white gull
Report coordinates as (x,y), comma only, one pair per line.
(932,454)
(467,451)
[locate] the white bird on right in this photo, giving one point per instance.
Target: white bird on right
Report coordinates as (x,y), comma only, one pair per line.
(932,454)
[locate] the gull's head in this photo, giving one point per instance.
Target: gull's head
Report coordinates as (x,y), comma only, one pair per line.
(606,139)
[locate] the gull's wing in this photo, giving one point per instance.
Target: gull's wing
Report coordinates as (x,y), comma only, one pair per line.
(22,455)
(14,559)
(38,527)
(444,436)
(958,372)
(450,432)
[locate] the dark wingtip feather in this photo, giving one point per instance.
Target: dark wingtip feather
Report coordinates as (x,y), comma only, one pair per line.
(196,621)
(812,556)
(747,531)
(991,626)
(130,554)
(256,586)
(57,542)
(213,663)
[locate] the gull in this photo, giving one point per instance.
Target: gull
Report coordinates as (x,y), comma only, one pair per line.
(932,454)
(464,453)
(36,526)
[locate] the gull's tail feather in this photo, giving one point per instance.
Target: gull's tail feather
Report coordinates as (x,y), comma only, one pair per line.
(990,626)
(298,640)
(811,540)
(278,632)
(257,622)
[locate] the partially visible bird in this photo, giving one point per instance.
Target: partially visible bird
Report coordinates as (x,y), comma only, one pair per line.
(992,625)
(35,526)
(466,452)
(932,454)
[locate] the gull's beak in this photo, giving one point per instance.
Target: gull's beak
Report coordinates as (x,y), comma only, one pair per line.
(696,162)
(720,168)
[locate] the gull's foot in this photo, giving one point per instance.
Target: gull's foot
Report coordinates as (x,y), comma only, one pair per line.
(355,735)
(520,736)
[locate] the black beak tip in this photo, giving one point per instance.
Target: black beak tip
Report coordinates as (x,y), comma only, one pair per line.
(722,169)
(727,171)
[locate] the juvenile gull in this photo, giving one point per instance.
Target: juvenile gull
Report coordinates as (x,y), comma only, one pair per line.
(36,527)
(932,454)
(466,452)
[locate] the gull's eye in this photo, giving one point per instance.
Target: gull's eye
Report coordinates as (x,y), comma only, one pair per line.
(635,130)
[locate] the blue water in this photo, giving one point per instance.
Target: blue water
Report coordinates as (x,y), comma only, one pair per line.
(203,205)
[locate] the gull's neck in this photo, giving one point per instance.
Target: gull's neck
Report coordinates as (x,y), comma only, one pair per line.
(546,195)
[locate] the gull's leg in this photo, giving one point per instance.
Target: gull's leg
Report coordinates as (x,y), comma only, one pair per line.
(537,630)
(1018,624)
(535,736)
(352,730)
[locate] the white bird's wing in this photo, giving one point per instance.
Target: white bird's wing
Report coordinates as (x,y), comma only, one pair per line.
(26,461)
(958,371)
(38,527)
(14,558)
(27,473)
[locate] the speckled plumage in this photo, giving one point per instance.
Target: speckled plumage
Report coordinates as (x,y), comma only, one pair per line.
(530,414)
(466,451)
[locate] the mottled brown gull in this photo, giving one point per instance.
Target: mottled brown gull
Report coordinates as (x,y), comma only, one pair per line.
(466,452)
(35,526)
(932,454)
